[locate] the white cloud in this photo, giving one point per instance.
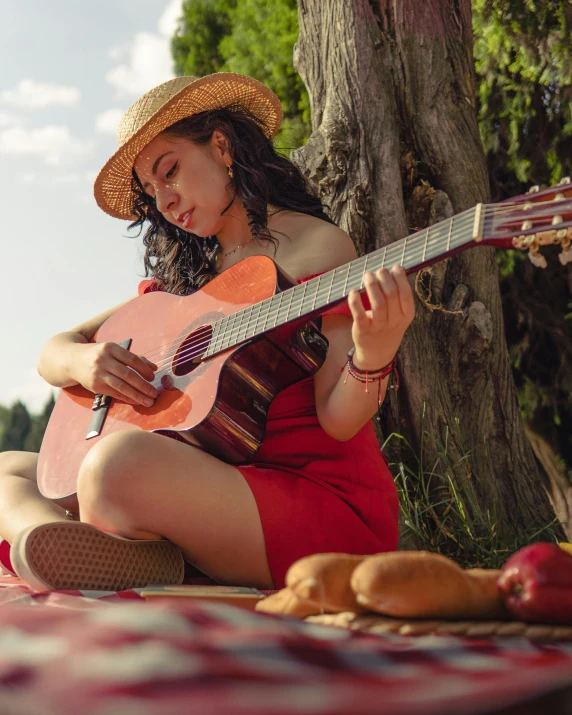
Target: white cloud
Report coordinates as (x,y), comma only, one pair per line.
(118,53)
(7,119)
(169,19)
(54,144)
(150,64)
(38,95)
(108,122)
(148,60)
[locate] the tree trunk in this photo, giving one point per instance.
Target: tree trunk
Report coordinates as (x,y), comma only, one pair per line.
(395,146)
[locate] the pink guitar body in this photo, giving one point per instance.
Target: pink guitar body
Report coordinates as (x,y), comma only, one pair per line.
(220,404)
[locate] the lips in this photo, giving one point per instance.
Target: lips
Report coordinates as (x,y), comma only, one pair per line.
(186,218)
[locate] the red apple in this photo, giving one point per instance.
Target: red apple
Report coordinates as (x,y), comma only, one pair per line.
(536,583)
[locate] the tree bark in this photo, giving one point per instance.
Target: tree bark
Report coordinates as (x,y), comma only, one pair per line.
(395,146)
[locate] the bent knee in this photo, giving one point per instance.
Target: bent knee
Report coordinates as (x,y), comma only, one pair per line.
(107,479)
(19,464)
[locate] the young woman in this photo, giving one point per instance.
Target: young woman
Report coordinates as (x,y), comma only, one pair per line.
(197,168)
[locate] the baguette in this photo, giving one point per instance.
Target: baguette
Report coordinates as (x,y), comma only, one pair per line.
(286,602)
(324,580)
(420,584)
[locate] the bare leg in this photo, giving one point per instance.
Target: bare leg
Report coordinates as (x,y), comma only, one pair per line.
(142,485)
(21,504)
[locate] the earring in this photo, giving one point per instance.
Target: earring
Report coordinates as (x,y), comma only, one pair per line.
(230,172)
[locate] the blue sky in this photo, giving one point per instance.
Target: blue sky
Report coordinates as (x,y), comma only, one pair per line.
(69,69)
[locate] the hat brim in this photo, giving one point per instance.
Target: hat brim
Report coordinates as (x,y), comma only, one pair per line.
(113,185)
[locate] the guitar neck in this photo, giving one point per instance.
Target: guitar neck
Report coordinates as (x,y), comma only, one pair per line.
(322,292)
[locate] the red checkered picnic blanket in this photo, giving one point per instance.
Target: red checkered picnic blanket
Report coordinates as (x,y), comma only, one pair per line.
(96,653)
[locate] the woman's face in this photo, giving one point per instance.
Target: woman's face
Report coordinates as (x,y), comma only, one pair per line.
(190,183)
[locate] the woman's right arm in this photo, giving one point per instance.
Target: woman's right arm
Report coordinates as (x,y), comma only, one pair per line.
(102,368)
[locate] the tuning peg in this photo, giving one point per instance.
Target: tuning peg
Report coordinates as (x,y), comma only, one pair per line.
(537,259)
(533,189)
(566,256)
(565,180)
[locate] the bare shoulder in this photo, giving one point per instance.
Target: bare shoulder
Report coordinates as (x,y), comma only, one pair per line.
(312,245)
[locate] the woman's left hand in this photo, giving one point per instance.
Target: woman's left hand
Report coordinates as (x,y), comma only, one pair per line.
(378,332)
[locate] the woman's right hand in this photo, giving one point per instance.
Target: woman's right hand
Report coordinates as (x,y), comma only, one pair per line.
(108,369)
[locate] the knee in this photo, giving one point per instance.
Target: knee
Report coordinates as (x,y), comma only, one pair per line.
(106,487)
(19,464)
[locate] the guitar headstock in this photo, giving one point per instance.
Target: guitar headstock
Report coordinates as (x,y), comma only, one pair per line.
(538,218)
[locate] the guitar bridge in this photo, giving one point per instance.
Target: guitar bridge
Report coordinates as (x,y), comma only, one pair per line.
(101,405)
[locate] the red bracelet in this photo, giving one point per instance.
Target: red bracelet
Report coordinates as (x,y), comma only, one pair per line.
(368,376)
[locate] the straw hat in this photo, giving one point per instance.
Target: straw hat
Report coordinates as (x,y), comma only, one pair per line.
(167,104)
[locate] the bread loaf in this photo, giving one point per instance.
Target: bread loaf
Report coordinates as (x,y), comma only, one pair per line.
(286,602)
(420,584)
(324,580)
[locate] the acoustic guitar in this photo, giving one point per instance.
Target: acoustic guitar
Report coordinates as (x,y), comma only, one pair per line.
(225,351)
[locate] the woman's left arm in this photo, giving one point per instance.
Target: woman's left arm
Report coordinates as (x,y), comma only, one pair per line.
(342,403)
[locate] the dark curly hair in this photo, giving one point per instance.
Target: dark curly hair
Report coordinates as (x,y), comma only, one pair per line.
(179,261)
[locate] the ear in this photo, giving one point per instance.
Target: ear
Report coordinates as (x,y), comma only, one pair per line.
(219,144)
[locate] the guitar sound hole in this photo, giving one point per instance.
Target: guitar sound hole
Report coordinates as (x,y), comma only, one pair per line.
(188,356)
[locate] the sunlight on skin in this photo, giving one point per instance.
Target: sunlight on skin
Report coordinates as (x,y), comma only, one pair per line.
(183,176)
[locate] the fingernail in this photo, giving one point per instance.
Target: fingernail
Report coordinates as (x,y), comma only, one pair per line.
(148,402)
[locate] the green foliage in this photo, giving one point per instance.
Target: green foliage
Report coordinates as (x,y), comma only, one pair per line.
(16,429)
(252,37)
(523,59)
(34,438)
(195,45)
(440,514)
(4,415)
(19,430)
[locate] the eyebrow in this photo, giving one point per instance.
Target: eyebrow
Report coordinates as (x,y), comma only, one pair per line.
(155,166)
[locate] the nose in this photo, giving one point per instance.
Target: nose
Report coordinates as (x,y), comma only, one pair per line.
(166,199)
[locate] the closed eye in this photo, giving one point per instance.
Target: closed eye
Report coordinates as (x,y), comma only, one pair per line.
(171,171)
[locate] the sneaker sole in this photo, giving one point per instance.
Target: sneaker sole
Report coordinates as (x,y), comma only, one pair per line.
(72,555)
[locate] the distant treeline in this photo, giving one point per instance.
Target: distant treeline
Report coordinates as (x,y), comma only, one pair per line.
(21,430)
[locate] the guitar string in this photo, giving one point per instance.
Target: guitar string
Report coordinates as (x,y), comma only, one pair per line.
(204,336)
(395,248)
(189,353)
(195,348)
(492,209)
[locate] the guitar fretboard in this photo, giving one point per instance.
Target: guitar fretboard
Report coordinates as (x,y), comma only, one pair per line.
(412,252)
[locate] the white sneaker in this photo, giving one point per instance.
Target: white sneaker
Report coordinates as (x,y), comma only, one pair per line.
(72,555)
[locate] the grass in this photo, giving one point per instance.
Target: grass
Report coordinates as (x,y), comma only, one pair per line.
(440,514)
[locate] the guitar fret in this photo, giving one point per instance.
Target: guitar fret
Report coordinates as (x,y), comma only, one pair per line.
(316,293)
(291,291)
(305,287)
(240,315)
(231,320)
(411,251)
(345,288)
(244,313)
(449,234)
(280,296)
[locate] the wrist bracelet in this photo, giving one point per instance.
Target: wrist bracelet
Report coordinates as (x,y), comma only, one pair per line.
(367,376)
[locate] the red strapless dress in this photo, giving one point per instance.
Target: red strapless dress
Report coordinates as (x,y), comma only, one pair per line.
(316,494)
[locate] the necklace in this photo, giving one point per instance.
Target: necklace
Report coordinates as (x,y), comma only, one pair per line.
(240,245)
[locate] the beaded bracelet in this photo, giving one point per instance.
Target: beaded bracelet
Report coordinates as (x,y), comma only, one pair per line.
(368,376)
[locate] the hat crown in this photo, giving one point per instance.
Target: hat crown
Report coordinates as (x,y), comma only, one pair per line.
(146,106)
